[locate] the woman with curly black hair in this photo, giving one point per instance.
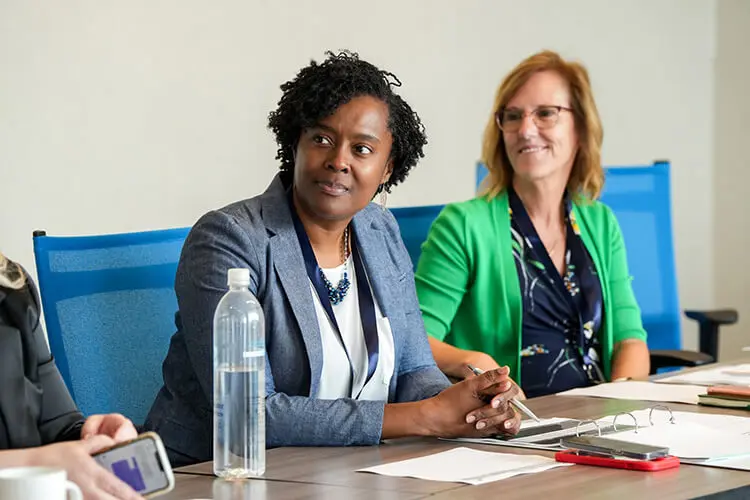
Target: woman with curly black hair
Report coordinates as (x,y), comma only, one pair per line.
(348,361)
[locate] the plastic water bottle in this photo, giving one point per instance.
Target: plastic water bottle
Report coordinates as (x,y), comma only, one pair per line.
(239,382)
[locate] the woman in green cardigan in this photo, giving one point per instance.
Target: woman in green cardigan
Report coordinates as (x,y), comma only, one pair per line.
(533,274)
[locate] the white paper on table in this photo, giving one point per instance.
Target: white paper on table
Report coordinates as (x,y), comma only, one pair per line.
(738,463)
(641,391)
(731,424)
(465,465)
(687,440)
(722,375)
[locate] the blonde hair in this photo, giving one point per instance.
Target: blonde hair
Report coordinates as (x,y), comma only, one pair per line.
(11,274)
(586,176)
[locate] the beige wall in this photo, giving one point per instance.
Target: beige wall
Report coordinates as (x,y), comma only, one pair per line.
(129,115)
(731,234)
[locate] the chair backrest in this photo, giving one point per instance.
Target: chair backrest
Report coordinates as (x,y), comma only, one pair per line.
(481,175)
(109,307)
(641,200)
(414,223)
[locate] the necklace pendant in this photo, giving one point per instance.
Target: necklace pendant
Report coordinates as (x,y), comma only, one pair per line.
(336,294)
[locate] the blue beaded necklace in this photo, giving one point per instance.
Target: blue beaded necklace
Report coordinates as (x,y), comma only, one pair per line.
(337,294)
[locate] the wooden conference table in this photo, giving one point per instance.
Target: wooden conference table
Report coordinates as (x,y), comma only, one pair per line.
(329,473)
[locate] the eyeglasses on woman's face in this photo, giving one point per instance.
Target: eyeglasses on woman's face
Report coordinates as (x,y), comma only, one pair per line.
(510,119)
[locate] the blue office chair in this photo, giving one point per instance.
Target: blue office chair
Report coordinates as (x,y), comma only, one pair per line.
(481,175)
(109,307)
(640,198)
(414,223)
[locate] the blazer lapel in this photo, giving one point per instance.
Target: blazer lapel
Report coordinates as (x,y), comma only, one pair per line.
(290,267)
(377,259)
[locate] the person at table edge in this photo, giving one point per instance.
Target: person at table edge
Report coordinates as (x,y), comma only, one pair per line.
(348,362)
(533,273)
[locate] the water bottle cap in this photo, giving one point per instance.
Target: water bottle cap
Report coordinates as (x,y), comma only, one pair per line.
(240,277)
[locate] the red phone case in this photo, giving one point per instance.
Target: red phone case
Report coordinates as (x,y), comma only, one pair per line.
(571,456)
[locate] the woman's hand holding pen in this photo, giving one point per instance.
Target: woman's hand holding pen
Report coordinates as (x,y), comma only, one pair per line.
(477,406)
(484,362)
(481,360)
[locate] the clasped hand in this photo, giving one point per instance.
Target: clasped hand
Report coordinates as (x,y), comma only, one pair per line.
(477,406)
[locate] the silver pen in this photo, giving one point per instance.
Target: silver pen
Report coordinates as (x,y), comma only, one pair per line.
(515,402)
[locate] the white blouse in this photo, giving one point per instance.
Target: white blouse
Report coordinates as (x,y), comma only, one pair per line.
(335,379)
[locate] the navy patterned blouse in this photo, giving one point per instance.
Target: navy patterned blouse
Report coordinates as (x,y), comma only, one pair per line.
(562,315)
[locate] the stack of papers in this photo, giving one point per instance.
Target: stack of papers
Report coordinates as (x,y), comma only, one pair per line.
(737,463)
(641,391)
(722,375)
(464,465)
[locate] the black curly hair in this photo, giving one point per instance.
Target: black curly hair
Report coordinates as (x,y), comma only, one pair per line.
(319,90)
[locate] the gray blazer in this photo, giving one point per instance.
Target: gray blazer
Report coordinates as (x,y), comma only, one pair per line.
(258,234)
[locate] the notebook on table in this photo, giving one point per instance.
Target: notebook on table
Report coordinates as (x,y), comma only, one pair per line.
(726,396)
(546,434)
(699,438)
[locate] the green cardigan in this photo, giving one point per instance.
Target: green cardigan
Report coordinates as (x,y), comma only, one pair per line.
(468,285)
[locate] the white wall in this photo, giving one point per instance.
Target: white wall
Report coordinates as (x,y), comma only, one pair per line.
(119,116)
(731,235)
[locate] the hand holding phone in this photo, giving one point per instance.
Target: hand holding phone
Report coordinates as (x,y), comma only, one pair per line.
(141,462)
(114,425)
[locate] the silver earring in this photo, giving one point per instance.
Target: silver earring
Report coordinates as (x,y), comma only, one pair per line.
(383,196)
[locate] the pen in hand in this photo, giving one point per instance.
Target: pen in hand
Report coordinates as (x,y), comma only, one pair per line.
(515,402)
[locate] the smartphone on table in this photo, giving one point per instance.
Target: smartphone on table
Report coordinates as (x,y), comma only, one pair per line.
(606,446)
(605,452)
(141,462)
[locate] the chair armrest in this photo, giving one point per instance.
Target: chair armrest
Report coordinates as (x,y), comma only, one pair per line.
(708,327)
(672,358)
(717,316)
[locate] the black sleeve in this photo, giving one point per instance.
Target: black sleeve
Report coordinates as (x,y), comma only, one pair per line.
(59,419)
